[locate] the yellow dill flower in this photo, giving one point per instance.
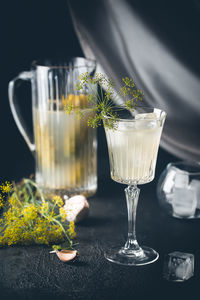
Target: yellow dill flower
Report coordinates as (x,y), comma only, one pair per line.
(12,234)
(9,216)
(12,201)
(38,229)
(27,237)
(71,230)
(52,214)
(28,222)
(63,213)
(6,187)
(49,218)
(1,201)
(44,207)
(58,201)
(30,212)
(41,240)
(55,233)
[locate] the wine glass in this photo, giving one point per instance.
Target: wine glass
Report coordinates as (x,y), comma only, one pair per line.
(133,143)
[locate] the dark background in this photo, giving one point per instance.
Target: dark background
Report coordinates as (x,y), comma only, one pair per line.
(32,30)
(43,29)
(29,30)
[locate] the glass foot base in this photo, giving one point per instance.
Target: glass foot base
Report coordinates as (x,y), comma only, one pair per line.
(117,256)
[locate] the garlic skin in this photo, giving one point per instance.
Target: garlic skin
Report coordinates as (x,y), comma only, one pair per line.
(77,208)
(66,255)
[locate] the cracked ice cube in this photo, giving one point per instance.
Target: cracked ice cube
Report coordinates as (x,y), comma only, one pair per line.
(146,121)
(195,184)
(178,266)
(184,202)
(181,179)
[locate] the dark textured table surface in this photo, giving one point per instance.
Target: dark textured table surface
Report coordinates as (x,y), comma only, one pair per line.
(31,272)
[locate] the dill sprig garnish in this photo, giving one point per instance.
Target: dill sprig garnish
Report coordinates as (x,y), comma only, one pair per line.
(100,90)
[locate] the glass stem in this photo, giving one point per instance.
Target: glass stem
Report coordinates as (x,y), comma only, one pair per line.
(131,247)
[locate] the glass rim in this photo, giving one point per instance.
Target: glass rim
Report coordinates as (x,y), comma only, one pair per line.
(162,115)
(186,163)
(37,63)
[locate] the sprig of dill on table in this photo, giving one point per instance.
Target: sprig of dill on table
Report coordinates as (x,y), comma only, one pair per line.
(30,218)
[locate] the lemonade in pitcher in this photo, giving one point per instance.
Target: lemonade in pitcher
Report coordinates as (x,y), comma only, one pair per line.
(65,148)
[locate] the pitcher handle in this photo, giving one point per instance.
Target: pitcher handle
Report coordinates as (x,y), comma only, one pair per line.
(16,112)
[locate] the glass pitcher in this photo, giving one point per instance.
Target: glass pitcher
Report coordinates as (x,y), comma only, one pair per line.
(64,146)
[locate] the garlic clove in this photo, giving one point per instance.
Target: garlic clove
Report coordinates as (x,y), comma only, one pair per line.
(66,255)
(77,208)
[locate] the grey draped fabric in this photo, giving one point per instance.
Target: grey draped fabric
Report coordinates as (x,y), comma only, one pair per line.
(158,44)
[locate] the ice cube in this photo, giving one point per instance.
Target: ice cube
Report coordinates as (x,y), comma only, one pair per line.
(169,197)
(178,266)
(126,125)
(181,179)
(195,184)
(169,180)
(144,124)
(184,202)
(146,116)
(147,120)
